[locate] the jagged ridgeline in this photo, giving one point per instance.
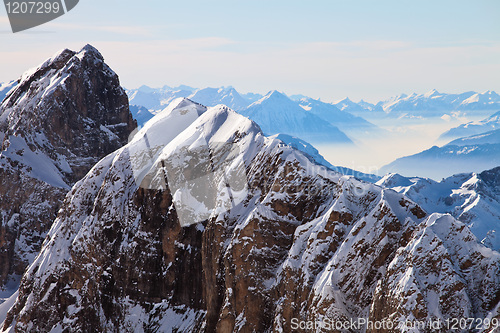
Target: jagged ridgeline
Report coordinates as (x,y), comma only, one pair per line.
(201,223)
(57,121)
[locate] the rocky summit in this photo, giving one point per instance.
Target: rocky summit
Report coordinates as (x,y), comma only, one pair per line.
(55,124)
(203,224)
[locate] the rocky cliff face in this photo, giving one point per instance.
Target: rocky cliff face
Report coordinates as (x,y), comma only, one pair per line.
(58,121)
(203,224)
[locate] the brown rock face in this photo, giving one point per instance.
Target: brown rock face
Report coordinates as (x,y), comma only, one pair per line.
(55,125)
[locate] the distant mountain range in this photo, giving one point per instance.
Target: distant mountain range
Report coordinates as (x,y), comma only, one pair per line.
(312,120)
(156,99)
(349,106)
(344,122)
(347,122)
(430,104)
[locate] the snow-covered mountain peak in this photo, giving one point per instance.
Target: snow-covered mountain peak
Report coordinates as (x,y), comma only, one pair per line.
(184,146)
(488,99)
(223,95)
(348,105)
(473,99)
(72,101)
(436,104)
(276,99)
(184,117)
(59,57)
(490,93)
(91,50)
(393,180)
(169,122)
(275,95)
(220,124)
(184,105)
(276,113)
(39,83)
(343,103)
(431,93)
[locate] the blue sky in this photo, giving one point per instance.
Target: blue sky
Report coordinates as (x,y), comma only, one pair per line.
(324,49)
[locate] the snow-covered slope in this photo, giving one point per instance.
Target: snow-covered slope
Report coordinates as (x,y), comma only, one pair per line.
(276,113)
(472,128)
(473,198)
(55,124)
(287,239)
